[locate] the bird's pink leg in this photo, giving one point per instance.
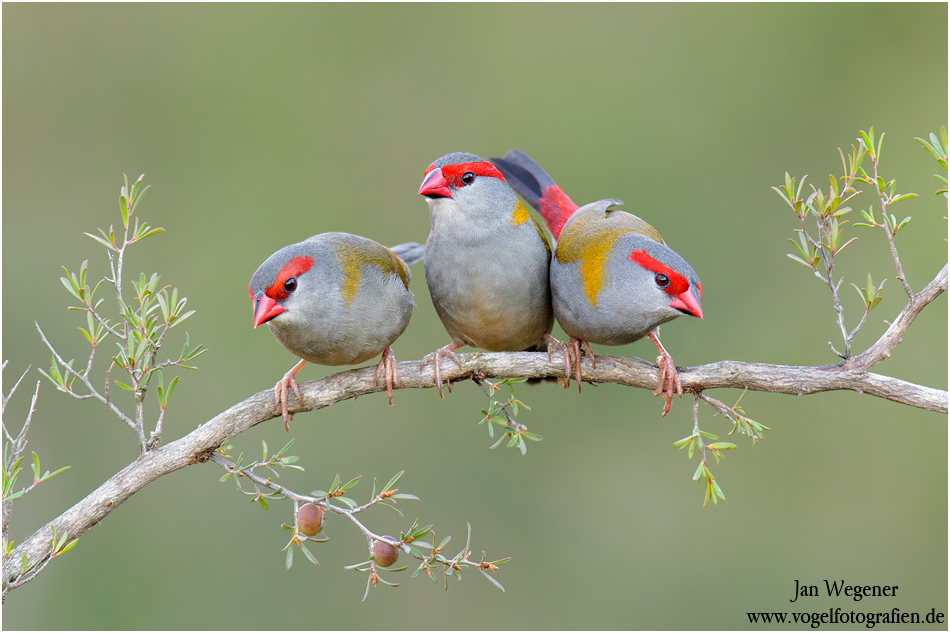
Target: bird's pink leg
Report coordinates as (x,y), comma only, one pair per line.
(669,377)
(436,358)
(572,357)
(280,392)
(575,346)
(387,370)
(560,346)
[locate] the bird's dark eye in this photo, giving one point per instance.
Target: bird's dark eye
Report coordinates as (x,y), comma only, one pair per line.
(290,285)
(468,178)
(662,280)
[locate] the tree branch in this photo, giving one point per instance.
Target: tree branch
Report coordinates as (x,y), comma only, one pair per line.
(197,446)
(634,372)
(892,336)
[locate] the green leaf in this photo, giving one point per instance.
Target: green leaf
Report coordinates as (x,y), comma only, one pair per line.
(146,231)
(681,443)
(699,471)
(310,557)
(87,336)
(102,241)
(140,194)
(351,483)
(718,490)
(285,448)
(421,532)
(348,501)
(124,206)
(392,482)
(70,285)
(492,580)
(168,393)
(54,372)
(54,473)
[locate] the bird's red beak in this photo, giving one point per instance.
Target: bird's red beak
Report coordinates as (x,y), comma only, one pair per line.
(265,308)
(687,302)
(434,185)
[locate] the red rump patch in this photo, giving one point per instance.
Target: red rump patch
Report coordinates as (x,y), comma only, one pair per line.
(678,283)
(453,173)
(297,266)
(555,207)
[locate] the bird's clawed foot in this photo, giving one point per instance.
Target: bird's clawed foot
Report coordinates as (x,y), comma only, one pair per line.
(280,392)
(572,357)
(554,345)
(387,370)
(669,377)
(436,359)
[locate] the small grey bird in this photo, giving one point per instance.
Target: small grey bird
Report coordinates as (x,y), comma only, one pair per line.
(613,279)
(335,299)
(486,261)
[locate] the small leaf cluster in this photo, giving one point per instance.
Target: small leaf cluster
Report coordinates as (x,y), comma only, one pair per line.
(433,564)
(139,329)
(386,496)
(14,449)
(337,500)
(886,189)
(503,413)
(12,472)
(696,444)
(870,294)
(238,470)
(817,247)
(937,147)
(826,209)
(742,423)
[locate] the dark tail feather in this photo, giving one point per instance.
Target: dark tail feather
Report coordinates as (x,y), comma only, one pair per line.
(410,252)
(524,175)
(537,188)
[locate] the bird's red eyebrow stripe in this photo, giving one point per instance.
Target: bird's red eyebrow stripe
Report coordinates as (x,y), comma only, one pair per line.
(453,173)
(678,283)
(297,266)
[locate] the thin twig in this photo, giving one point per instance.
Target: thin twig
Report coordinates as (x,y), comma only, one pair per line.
(85,379)
(890,236)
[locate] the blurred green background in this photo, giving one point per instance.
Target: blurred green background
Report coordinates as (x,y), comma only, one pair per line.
(258,126)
